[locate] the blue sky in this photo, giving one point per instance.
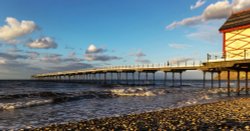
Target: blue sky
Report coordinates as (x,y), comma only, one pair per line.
(44,36)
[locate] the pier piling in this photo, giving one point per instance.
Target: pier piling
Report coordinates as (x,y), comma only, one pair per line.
(246,82)
(173,79)
(238,82)
(204,79)
(165,78)
(228,83)
(212,79)
(219,79)
(181,78)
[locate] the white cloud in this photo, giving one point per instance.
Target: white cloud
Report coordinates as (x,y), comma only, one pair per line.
(185,22)
(178,46)
(97,54)
(219,10)
(2,61)
(239,5)
(215,11)
(14,29)
(42,43)
(93,49)
(198,4)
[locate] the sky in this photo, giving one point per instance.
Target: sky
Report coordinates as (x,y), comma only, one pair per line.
(57,35)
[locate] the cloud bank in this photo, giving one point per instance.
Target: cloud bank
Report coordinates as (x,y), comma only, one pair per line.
(215,11)
(42,43)
(14,29)
(198,4)
(97,54)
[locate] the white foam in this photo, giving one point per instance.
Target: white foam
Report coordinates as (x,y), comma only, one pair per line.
(138,92)
(12,106)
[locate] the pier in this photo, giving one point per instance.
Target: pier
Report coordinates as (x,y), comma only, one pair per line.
(110,75)
(235,57)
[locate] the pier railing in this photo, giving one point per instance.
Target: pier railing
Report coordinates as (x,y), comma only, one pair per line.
(228,56)
(183,64)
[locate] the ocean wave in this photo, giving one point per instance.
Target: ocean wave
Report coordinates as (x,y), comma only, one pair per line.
(42,98)
(225,90)
(139,92)
(29,95)
(16,101)
(11,106)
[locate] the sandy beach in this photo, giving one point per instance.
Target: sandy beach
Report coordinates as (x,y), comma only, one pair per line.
(229,115)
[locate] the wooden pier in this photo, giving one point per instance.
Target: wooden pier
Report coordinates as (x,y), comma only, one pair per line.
(128,73)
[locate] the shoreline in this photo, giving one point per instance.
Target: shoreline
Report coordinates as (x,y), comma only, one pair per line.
(226,114)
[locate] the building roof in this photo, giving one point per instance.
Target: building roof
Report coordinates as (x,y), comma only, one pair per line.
(236,20)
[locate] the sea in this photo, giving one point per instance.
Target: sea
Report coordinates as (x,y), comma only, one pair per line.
(31,103)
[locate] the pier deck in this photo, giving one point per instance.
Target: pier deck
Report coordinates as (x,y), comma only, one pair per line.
(211,66)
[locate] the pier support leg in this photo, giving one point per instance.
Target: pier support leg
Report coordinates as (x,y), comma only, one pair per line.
(118,77)
(204,79)
(105,78)
(99,78)
(139,78)
(133,77)
(154,78)
(69,77)
(165,78)
(173,79)
(247,82)
(127,78)
(228,83)
(111,78)
(212,79)
(180,78)
(146,78)
(238,82)
(219,79)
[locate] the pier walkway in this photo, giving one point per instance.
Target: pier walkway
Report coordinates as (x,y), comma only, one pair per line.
(128,72)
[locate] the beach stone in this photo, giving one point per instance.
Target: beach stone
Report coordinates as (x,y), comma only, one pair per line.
(224,115)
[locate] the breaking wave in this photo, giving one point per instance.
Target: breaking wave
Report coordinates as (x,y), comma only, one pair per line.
(11,106)
(138,92)
(15,101)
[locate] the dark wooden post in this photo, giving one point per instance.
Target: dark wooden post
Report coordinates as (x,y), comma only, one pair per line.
(238,82)
(228,83)
(133,77)
(154,78)
(139,75)
(247,82)
(212,79)
(127,78)
(181,78)
(204,79)
(165,78)
(219,79)
(105,77)
(173,79)
(111,77)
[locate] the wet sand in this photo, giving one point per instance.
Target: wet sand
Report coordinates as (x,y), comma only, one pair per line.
(228,115)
